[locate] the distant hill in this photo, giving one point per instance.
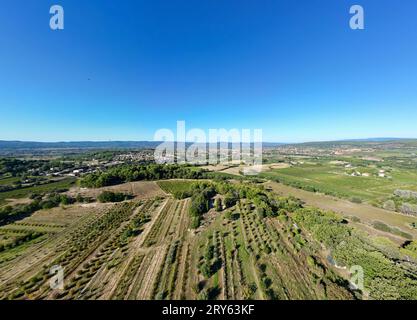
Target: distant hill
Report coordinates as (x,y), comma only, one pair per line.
(20,148)
(90,145)
(378,140)
(359,142)
(30,147)
(77,145)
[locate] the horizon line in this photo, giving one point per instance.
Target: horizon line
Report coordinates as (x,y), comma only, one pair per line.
(372,139)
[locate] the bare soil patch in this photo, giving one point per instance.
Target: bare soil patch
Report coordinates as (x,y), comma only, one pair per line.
(139,189)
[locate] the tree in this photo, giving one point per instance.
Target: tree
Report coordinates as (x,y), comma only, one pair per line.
(260,212)
(218,204)
(229,200)
(108,196)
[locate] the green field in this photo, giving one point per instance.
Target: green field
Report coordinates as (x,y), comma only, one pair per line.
(8,180)
(335,180)
(173,186)
(24,192)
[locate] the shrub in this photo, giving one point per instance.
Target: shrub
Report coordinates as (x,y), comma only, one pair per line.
(408,208)
(356,200)
(195,222)
(389,205)
(109,196)
(206,270)
(218,204)
(261,213)
(229,200)
(267,282)
(355,219)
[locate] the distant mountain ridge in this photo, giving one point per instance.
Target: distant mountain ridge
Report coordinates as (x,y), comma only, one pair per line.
(27,145)
(78,145)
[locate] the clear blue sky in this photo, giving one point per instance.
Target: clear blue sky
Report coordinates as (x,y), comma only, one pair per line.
(123,69)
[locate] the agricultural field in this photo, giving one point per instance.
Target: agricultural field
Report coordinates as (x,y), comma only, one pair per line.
(140,190)
(176,239)
(357,182)
(174,186)
(145,249)
(361,212)
(258,259)
(27,191)
(237,169)
(8,180)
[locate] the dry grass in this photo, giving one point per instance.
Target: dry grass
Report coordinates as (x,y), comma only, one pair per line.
(236,170)
(140,189)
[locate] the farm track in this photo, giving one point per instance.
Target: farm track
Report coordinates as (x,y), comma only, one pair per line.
(128,278)
(168,227)
(153,234)
(151,273)
(137,281)
(182,273)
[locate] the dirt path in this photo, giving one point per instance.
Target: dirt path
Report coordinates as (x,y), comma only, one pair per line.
(149,226)
(168,226)
(150,275)
(183,223)
(137,280)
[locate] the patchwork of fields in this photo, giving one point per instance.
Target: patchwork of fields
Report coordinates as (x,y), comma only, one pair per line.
(334,179)
(25,192)
(365,213)
(243,257)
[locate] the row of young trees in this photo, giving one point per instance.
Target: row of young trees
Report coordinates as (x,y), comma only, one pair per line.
(109,196)
(19,240)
